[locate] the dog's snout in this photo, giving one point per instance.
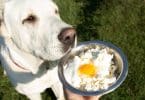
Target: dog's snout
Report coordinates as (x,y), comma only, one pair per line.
(67,36)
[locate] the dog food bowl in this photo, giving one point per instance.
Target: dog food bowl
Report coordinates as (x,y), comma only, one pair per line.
(93,68)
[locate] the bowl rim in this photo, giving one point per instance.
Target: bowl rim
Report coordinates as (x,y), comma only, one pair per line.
(114,86)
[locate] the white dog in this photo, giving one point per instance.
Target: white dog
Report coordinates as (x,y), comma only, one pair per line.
(32,39)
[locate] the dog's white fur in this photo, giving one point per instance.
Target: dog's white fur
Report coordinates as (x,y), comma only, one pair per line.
(26,45)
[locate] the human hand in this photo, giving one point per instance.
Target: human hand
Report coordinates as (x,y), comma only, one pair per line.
(72,96)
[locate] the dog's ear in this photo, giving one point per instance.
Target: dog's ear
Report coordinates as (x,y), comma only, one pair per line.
(3,31)
(1,10)
(1,16)
(2,3)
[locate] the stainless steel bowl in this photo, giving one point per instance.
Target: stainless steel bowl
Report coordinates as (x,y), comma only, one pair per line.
(121,61)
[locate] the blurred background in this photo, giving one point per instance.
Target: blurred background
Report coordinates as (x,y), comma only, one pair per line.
(121,22)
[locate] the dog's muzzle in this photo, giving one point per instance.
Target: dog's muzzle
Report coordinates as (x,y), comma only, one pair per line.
(67,37)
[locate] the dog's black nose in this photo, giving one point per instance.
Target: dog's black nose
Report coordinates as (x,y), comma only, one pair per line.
(67,35)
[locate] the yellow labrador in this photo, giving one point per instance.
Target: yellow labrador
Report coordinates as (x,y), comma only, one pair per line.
(32,39)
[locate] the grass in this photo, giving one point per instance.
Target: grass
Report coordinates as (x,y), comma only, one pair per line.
(121,22)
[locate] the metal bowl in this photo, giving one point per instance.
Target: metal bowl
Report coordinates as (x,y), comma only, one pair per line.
(121,61)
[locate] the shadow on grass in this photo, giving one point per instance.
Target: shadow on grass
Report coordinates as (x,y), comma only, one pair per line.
(87,29)
(49,95)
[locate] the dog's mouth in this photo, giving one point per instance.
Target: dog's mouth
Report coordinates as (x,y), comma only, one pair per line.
(55,52)
(57,48)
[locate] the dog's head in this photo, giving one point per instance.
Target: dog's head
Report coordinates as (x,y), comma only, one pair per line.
(35,27)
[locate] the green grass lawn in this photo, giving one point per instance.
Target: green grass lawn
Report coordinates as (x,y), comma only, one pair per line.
(121,22)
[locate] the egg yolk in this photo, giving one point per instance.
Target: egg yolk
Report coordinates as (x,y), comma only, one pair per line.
(88,70)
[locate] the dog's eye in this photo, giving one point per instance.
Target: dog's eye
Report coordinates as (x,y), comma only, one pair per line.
(56,12)
(30,19)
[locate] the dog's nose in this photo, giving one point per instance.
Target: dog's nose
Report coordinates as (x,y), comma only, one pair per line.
(67,36)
